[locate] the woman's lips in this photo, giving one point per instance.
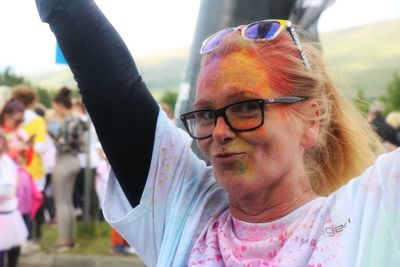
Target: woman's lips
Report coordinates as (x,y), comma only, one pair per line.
(227,157)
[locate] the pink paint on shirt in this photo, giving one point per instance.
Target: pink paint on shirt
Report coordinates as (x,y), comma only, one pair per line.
(231,242)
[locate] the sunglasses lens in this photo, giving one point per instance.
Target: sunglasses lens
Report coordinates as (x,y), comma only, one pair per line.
(262,30)
(213,41)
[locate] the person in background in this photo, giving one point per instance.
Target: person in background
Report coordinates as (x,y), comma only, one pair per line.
(89,156)
(35,126)
(13,232)
(20,149)
(386,132)
(48,158)
(11,118)
(102,173)
(393,119)
(30,199)
(69,143)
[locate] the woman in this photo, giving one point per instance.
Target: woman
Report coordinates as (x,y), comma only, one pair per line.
(20,149)
(13,231)
(11,118)
(277,133)
(35,127)
(68,143)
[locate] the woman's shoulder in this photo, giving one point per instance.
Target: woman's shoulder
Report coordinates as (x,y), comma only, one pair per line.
(377,182)
(388,162)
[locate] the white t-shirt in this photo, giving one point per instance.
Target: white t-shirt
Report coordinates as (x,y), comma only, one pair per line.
(183,214)
(8,184)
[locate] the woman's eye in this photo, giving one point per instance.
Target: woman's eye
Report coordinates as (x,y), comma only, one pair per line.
(246,107)
(204,116)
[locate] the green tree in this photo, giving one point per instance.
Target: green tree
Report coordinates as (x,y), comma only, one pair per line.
(392,95)
(8,78)
(169,98)
(45,97)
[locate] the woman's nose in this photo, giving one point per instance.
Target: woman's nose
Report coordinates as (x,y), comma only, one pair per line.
(222,132)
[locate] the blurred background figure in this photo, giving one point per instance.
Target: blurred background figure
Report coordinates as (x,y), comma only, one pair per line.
(89,160)
(19,149)
(393,119)
(11,118)
(385,131)
(69,143)
(35,127)
(102,172)
(48,159)
(13,231)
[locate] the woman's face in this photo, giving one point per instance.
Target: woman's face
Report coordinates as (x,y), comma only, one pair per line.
(12,121)
(252,161)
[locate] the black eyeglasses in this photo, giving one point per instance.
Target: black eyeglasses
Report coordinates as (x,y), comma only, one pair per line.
(242,116)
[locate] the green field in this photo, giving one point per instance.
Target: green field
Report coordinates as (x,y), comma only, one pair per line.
(93,239)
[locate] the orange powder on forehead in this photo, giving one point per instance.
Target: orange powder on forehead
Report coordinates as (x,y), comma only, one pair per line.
(270,58)
(241,70)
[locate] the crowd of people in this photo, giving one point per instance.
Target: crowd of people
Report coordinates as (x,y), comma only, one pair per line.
(43,157)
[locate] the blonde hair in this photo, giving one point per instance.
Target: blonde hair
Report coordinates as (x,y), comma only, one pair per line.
(393,119)
(346,143)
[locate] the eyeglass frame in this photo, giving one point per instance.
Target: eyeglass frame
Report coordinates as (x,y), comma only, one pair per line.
(221,112)
(283,23)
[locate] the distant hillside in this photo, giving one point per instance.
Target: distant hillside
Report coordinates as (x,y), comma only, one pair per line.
(161,71)
(364,57)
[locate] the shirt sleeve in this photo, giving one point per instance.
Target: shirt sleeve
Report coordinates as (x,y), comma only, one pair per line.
(179,198)
(370,203)
(122,109)
(8,174)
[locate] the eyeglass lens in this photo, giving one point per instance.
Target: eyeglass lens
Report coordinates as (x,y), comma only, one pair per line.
(241,116)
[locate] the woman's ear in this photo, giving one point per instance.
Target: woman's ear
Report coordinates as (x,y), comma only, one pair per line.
(311,126)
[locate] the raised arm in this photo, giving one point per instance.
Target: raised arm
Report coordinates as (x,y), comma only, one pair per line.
(122,109)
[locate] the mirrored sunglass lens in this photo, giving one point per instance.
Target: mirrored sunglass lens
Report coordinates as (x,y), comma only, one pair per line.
(215,40)
(262,30)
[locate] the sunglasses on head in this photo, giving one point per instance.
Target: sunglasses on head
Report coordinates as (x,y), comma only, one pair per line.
(259,31)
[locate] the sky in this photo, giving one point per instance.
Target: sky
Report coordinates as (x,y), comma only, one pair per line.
(28,46)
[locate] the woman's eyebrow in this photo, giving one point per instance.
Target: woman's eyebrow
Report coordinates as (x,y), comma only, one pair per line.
(235,96)
(201,103)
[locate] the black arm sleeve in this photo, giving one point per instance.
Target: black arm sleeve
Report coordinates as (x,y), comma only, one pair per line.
(122,109)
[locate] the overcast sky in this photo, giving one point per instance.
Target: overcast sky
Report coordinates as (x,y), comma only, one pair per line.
(28,46)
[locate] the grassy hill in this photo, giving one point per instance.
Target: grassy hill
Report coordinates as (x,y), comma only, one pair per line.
(162,71)
(364,58)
